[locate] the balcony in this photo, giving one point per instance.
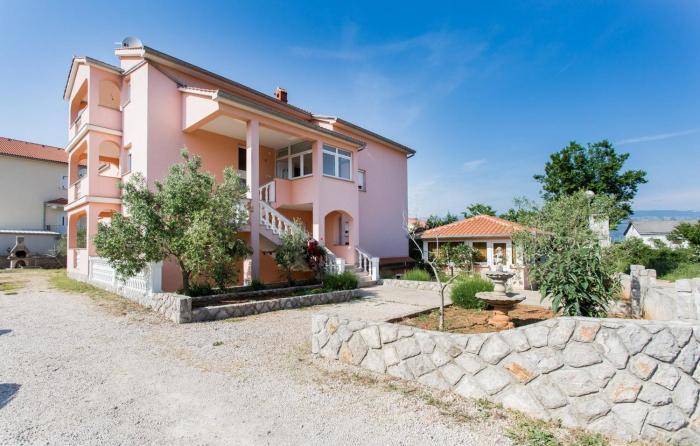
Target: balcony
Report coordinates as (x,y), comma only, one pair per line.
(77,124)
(102,186)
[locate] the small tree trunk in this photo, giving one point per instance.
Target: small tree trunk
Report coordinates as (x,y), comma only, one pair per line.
(441,324)
(185,278)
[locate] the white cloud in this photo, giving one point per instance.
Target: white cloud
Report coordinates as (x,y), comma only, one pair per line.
(656,137)
(471,166)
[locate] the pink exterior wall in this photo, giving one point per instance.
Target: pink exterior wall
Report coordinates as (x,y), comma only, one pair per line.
(384,207)
(159,120)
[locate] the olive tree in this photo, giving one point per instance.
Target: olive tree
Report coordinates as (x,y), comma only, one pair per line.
(566,259)
(291,254)
(188,217)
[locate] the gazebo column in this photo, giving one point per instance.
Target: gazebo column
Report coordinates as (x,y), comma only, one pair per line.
(489,253)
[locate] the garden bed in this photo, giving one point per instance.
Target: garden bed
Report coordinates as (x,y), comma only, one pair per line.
(255,296)
(468,321)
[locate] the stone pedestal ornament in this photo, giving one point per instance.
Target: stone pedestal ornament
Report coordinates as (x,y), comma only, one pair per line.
(501,301)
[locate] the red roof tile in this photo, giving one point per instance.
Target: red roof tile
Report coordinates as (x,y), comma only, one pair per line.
(24,149)
(478,226)
(62,201)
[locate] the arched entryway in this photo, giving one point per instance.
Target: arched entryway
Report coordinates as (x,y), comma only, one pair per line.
(339,236)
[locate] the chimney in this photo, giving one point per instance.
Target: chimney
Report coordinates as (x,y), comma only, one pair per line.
(281,94)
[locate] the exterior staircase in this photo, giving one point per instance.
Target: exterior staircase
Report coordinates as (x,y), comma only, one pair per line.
(273,224)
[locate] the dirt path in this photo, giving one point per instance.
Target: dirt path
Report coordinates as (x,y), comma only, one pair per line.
(75,370)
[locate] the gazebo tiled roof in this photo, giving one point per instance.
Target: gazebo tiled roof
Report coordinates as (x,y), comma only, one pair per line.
(477,226)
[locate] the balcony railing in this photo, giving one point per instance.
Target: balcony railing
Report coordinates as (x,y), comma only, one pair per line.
(103,186)
(77,190)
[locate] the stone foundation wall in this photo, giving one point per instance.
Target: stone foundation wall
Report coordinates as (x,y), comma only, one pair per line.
(626,378)
(413,285)
(246,309)
(656,300)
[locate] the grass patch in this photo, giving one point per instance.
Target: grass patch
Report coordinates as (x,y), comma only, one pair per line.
(529,432)
(682,271)
(10,287)
(465,289)
(58,280)
(588,439)
(417,274)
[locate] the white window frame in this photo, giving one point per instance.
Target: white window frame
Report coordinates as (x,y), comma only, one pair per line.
(362,174)
(289,157)
(335,152)
(64,182)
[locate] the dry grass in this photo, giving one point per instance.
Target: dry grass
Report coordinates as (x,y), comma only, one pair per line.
(109,301)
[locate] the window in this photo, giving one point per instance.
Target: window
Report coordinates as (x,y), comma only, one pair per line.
(242,158)
(128,160)
(480,251)
(295,161)
(64,182)
(337,162)
(361,181)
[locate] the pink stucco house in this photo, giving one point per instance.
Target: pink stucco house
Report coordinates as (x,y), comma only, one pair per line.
(347,184)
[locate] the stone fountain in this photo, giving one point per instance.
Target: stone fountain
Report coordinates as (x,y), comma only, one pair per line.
(501,301)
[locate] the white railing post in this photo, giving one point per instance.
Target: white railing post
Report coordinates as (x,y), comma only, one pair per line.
(374,270)
(340,265)
(156,277)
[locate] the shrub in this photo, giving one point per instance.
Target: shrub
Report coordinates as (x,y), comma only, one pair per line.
(337,282)
(464,291)
(198,289)
(662,258)
(417,274)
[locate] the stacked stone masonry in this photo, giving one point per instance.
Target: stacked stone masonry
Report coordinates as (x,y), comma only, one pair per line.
(628,379)
(659,300)
(217,312)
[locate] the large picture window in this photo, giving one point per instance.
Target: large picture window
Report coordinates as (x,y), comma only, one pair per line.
(337,163)
(294,161)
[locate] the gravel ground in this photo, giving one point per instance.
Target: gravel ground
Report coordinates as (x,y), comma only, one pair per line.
(82,370)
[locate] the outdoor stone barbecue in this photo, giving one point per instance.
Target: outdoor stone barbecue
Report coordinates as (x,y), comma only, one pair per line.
(625,378)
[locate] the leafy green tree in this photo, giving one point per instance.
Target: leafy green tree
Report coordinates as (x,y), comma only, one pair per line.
(291,254)
(434,221)
(188,217)
(566,258)
(478,209)
(686,233)
(597,167)
(522,210)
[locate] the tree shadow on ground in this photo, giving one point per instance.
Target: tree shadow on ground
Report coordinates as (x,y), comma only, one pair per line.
(8,393)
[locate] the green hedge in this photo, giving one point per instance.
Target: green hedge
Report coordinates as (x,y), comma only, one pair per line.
(337,282)
(417,274)
(465,289)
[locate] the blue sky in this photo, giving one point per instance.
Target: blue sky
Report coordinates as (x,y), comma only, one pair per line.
(485,91)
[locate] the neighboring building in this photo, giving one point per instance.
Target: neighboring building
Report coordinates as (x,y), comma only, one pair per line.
(486,234)
(35,190)
(650,230)
(415,223)
(347,184)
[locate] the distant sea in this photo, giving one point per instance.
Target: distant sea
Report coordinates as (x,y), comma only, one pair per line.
(617,234)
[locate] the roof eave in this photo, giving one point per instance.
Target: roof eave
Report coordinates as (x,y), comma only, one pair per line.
(254,106)
(334,119)
(77,60)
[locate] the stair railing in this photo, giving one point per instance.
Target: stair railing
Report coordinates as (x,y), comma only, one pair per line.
(274,220)
(334,265)
(267,192)
(368,264)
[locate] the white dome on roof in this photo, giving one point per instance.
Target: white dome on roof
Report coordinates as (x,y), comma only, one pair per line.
(132,42)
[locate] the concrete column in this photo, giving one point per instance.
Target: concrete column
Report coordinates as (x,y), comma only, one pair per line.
(318,222)
(425,250)
(489,253)
(253,183)
(509,253)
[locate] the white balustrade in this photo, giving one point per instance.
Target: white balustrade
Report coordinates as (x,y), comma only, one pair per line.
(274,220)
(267,192)
(368,264)
(144,283)
(334,265)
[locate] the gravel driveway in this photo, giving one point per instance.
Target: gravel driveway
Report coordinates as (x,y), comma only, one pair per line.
(78,370)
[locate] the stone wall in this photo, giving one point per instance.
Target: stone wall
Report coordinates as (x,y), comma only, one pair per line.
(626,378)
(412,284)
(217,312)
(658,300)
